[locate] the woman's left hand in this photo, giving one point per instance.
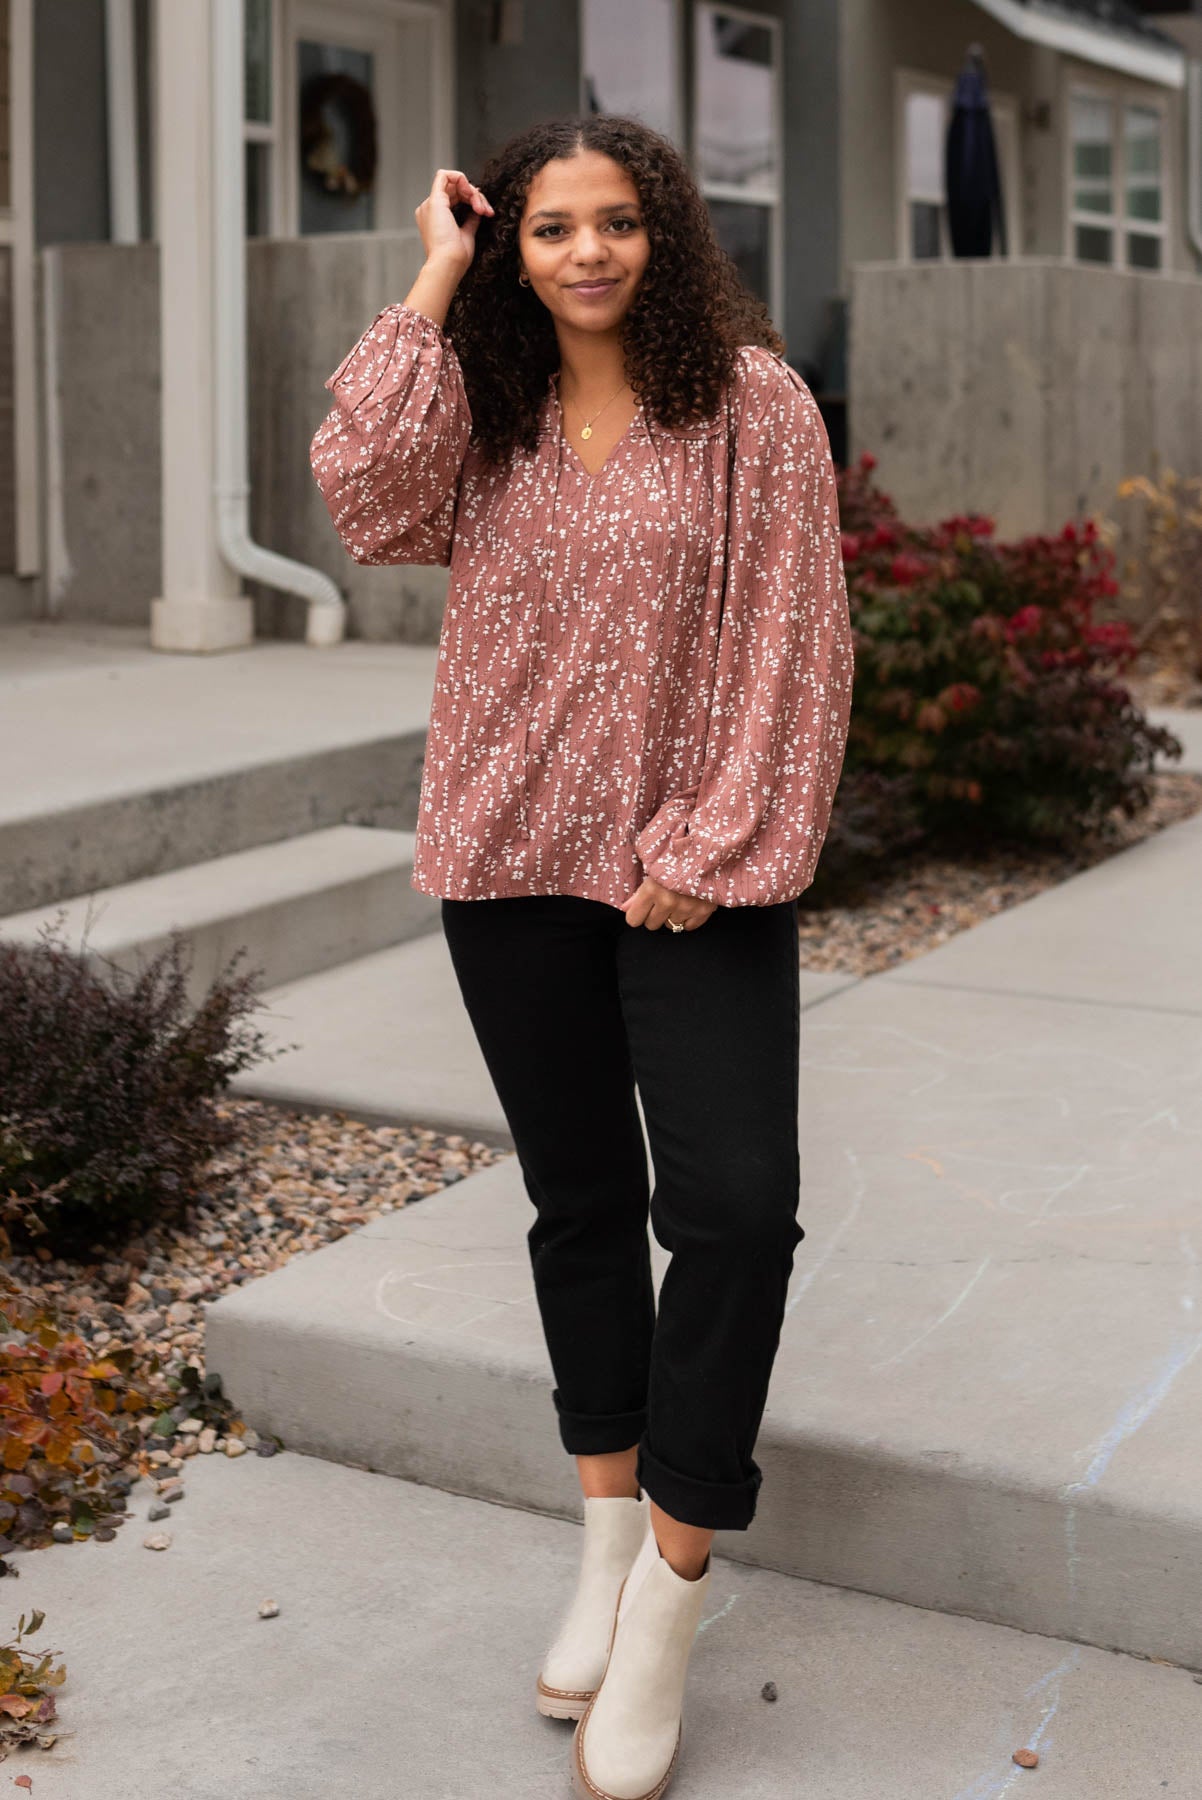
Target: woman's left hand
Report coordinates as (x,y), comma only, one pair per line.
(653,905)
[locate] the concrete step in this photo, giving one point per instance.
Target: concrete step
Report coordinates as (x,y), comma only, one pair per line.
(124,762)
(107,840)
(439,1610)
(298,906)
(387,1037)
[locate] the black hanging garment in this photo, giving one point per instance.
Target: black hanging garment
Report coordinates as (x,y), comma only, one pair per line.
(974,189)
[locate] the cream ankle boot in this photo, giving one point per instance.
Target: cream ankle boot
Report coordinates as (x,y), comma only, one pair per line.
(627,1742)
(613,1531)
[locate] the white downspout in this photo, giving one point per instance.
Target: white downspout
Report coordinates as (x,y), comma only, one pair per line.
(326,623)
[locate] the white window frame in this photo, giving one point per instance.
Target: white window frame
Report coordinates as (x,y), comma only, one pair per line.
(769,198)
(1120,94)
(1004,107)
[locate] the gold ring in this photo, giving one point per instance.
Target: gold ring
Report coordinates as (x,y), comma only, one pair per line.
(673,926)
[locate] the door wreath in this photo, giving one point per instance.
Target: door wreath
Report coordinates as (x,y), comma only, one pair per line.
(320,156)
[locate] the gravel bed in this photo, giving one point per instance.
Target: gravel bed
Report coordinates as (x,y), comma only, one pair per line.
(1161,676)
(301,1180)
(295,1182)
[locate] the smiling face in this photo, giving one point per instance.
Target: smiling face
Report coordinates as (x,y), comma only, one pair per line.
(582,240)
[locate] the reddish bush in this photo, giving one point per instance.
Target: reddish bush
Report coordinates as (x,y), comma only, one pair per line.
(66,1425)
(987,694)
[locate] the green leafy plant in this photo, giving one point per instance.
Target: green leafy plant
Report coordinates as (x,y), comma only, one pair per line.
(108,1079)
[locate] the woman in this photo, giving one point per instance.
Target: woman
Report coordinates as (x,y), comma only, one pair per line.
(640,712)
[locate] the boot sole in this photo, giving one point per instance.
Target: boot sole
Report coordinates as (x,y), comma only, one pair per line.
(583,1787)
(561,1703)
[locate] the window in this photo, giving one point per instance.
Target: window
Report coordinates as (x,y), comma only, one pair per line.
(631,62)
(737,139)
(1144,186)
(322,211)
(926,200)
(1116,207)
(1094,212)
(258,130)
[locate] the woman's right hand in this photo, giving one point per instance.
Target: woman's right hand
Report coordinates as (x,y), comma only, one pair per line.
(444,238)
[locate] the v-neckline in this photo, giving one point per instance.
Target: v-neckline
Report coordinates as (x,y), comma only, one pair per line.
(620,443)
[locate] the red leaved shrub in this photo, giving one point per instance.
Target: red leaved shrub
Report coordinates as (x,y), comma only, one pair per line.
(988,701)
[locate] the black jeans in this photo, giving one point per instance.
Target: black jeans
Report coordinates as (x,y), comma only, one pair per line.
(571,1007)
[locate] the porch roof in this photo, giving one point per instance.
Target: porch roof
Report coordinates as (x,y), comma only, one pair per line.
(1108,32)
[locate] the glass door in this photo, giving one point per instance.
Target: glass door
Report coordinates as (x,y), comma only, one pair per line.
(365,105)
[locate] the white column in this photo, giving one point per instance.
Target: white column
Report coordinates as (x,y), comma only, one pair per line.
(200,608)
(122,114)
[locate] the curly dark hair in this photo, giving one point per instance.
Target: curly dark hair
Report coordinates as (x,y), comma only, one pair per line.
(690,314)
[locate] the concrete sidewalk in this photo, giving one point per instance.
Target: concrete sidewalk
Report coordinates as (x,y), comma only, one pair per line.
(987,1394)
(411,1627)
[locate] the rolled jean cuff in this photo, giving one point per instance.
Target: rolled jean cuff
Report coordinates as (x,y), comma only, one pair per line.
(713,1505)
(597,1434)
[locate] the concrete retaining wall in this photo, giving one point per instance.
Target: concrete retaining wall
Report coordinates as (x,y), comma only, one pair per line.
(1025,389)
(307,301)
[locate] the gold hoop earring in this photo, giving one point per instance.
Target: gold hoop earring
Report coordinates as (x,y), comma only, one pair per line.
(523,279)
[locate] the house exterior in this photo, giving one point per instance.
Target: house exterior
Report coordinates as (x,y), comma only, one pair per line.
(1029,386)
(814,127)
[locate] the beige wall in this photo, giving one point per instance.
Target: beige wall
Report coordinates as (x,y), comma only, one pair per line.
(879,37)
(1024,390)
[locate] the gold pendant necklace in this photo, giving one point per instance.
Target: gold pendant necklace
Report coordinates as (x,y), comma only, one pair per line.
(587,428)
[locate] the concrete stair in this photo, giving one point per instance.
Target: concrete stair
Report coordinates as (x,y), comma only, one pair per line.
(388,1038)
(989,1379)
(108,840)
(264,802)
(301,905)
(124,763)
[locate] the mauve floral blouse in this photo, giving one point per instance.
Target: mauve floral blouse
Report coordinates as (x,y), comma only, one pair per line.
(605,704)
